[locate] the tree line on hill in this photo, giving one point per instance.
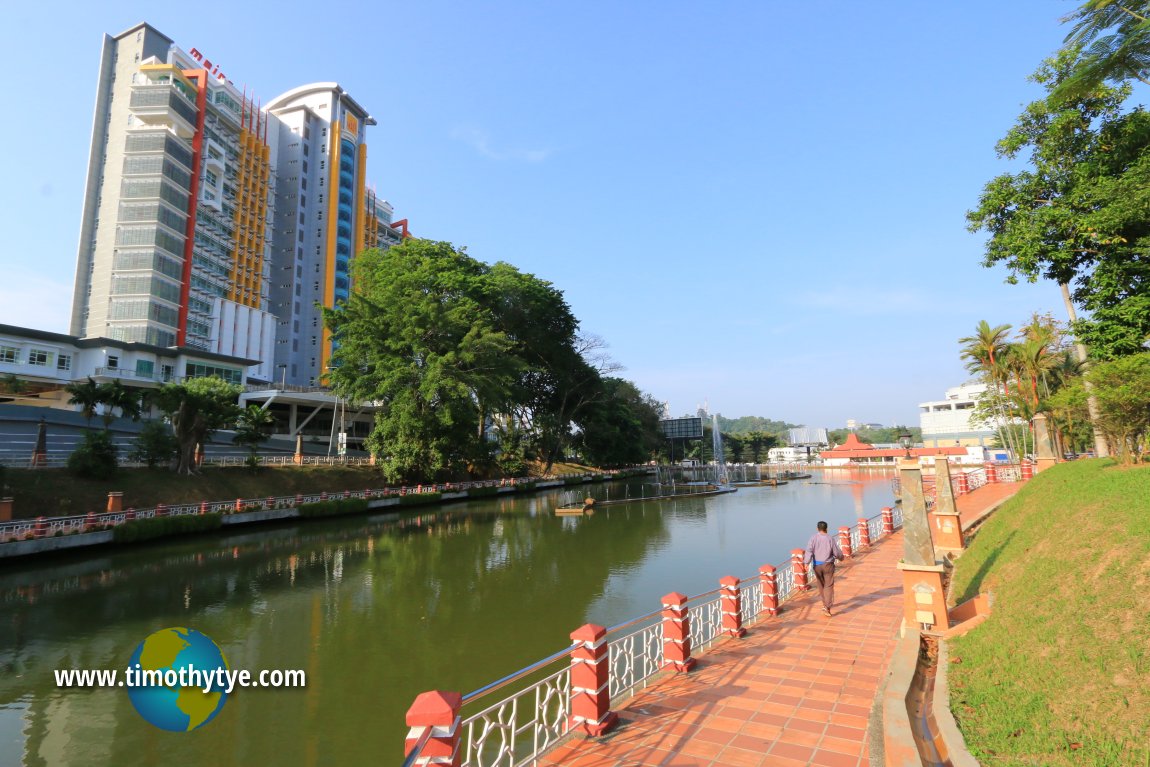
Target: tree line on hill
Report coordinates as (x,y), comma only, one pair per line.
(1077,214)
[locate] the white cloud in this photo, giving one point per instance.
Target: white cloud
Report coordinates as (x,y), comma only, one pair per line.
(481,143)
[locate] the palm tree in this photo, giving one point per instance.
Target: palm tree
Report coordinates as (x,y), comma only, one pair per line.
(253,425)
(987,354)
(1115,41)
(88,396)
(116,395)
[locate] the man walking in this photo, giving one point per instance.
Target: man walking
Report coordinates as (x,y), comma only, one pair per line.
(823,550)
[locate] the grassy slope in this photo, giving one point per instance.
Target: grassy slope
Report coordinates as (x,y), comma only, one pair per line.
(1060,673)
(54,492)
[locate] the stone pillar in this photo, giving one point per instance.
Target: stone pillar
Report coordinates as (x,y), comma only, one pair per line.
(845,541)
(677,633)
(799,568)
(439,712)
(730,605)
(991,473)
(887,521)
(591,711)
(6,509)
(115,501)
(945,525)
(924,601)
(1043,444)
(297,459)
(1026,471)
(770,590)
(864,531)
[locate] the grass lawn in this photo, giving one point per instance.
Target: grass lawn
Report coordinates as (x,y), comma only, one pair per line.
(1060,673)
(55,492)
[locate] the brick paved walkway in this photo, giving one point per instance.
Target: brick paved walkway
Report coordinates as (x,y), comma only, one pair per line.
(796,690)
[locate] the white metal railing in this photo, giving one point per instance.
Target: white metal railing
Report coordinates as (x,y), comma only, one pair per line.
(706,621)
(635,657)
(515,730)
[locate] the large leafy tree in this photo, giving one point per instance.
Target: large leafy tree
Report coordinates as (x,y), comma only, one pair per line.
(621,427)
(1079,214)
(197,408)
(417,338)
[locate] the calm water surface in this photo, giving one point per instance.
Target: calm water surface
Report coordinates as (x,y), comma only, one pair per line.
(375,609)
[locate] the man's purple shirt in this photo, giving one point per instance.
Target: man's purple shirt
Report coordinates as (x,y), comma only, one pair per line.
(822,548)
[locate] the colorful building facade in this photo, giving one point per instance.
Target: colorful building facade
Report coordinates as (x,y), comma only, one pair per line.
(213,222)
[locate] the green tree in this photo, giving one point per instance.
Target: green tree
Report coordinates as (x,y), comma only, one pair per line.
(1122,387)
(621,426)
(115,396)
(12,384)
(87,396)
(1077,214)
(253,426)
(96,457)
(417,337)
(197,408)
(1115,39)
(155,444)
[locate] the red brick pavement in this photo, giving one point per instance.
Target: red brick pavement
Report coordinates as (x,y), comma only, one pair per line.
(796,690)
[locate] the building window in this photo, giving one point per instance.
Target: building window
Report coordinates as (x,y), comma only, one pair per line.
(166,372)
(113,362)
(9,354)
(39,357)
(145,368)
(64,362)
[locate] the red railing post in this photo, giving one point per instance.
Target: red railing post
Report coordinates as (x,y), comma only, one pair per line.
(161,510)
(864,533)
(1026,471)
(591,711)
(203,507)
(730,605)
(991,473)
(438,711)
(887,521)
(40,529)
(799,568)
(239,504)
(961,483)
(770,590)
(677,633)
(845,541)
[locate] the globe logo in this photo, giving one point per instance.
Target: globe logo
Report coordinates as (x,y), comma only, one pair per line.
(175,679)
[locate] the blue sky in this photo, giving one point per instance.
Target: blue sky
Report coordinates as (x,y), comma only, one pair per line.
(756,204)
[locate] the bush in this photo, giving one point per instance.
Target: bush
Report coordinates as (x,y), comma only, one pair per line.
(155,444)
(525,487)
(419,499)
(575,480)
(479,492)
(334,507)
(95,457)
(159,527)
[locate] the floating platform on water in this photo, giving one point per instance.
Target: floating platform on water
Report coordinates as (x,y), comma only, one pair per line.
(589,508)
(762,483)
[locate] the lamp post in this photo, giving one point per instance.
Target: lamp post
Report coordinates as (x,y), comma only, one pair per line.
(905,439)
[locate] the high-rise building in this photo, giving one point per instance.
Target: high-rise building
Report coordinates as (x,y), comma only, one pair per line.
(213,223)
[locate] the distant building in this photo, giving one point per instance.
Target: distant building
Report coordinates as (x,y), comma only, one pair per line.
(854,452)
(946,422)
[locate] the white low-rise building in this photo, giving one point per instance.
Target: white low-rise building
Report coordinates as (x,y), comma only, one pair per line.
(947,423)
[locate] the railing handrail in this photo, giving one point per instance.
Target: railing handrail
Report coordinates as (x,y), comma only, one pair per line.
(417,749)
(517,675)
